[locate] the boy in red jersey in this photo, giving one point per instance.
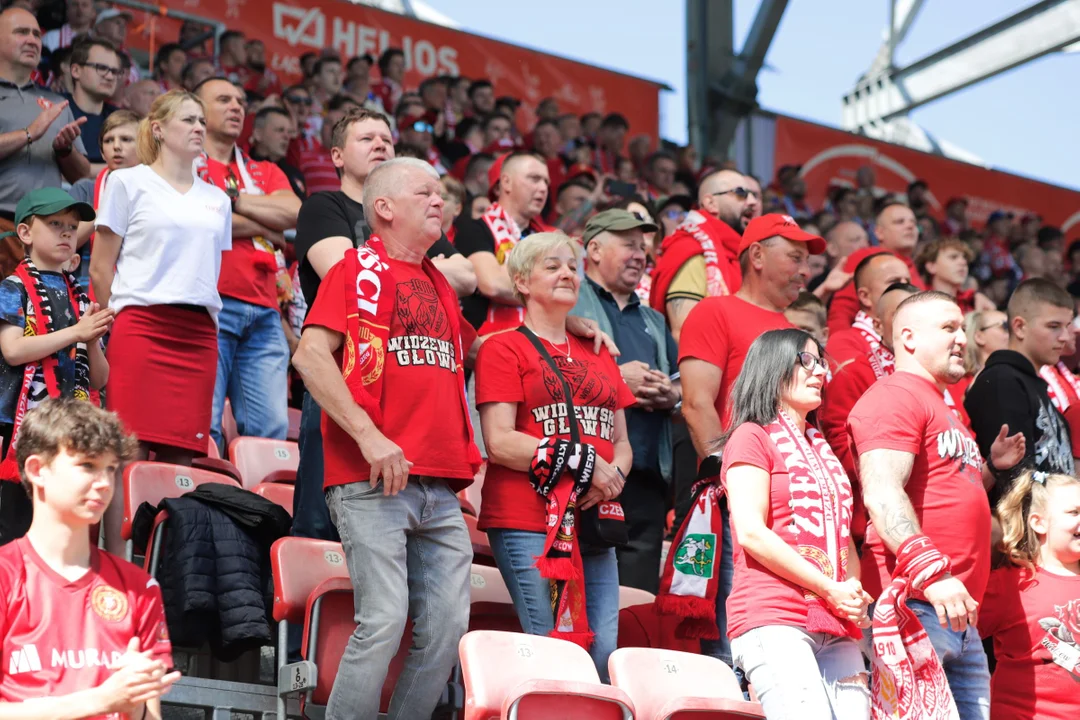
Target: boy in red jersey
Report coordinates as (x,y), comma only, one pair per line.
(84,633)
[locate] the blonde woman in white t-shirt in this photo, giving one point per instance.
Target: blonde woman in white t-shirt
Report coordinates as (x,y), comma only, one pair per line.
(157,253)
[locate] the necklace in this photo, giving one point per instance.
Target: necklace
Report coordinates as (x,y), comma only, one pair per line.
(556,348)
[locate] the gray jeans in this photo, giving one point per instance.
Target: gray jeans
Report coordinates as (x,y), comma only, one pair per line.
(408,555)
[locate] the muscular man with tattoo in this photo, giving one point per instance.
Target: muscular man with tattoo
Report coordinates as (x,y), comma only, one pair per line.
(923,477)
(718,333)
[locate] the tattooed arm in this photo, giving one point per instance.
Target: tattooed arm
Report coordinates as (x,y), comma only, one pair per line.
(677,310)
(883,474)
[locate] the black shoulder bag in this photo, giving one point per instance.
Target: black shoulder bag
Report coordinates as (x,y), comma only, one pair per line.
(598,530)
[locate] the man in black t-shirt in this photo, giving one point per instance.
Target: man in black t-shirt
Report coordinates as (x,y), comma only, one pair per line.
(329,224)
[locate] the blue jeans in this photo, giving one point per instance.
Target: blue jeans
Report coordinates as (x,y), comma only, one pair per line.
(253,367)
(964,660)
(799,675)
(409,555)
(311,517)
(516,552)
(721,649)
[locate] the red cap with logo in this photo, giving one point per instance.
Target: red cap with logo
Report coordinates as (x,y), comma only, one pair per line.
(775,224)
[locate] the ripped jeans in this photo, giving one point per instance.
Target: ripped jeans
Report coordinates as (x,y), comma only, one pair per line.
(799,675)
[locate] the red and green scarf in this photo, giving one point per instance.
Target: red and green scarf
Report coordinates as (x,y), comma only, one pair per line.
(370,298)
(821,526)
(40,381)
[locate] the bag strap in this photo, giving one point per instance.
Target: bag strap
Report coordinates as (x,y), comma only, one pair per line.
(568,395)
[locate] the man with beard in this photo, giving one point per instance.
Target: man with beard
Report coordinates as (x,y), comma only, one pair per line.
(520,194)
(1010,391)
(923,485)
(896,232)
(260,79)
(700,259)
(718,332)
(615,246)
(253,357)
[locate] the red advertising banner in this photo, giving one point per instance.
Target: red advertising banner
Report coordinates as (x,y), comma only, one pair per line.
(294,27)
(832,157)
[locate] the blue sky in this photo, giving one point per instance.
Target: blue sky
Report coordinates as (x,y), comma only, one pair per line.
(1022,121)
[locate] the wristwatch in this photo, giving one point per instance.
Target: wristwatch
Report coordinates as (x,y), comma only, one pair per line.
(232,189)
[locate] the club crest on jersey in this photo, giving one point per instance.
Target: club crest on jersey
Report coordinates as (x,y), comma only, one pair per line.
(44,103)
(109,603)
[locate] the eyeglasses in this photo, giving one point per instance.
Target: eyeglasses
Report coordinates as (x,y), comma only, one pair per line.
(422,127)
(104,70)
(297,100)
(675,214)
(739,192)
(1003,325)
(809,360)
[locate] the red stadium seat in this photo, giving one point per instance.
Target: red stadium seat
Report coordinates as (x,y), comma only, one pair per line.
(212,450)
(228,424)
(491,607)
(294,424)
(628,597)
(482,554)
(152,482)
(511,675)
(262,460)
(672,685)
(277,493)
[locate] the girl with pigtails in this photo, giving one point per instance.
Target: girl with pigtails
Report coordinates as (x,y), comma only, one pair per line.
(1032,604)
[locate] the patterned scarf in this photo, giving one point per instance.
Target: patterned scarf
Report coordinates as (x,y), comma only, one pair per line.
(40,380)
(1060,394)
(507,235)
(698,225)
(368,311)
(246,184)
(561,561)
(691,576)
(907,678)
(821,502)
(644,286)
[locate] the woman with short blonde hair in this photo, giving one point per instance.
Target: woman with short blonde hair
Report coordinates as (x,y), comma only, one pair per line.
(160,232)
(555,463)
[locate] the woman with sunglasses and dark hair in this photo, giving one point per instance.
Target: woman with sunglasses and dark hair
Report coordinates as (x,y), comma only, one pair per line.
(796,608)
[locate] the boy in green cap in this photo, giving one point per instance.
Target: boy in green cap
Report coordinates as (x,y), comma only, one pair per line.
(49,334)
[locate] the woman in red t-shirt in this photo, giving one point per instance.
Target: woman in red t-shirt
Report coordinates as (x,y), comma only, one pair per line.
(796,606)
(1031,608)
(540,478)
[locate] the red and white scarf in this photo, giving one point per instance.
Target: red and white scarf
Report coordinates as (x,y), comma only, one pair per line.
(247,185)
(821,530)
(370,302)
(1060,380)
(908,680)
(644,286)
(882,360)
(697,224)
(507,235)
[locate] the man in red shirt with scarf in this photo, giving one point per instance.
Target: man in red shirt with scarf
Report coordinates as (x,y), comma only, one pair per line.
(520,185)
(701,258)
(897,232)
(253,356)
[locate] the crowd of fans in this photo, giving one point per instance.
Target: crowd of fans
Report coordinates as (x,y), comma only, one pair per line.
(855,422)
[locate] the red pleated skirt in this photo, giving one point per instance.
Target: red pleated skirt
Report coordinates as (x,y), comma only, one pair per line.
(162,369)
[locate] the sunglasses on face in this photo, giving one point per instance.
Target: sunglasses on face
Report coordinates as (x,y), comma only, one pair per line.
(295,100)
(675,214)
(809,361)
(739,192)
(422,127)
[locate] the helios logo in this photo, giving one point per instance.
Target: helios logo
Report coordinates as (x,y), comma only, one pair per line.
(24,660)
(298,26)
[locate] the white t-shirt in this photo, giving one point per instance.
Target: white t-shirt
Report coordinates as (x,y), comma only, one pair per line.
(171,252)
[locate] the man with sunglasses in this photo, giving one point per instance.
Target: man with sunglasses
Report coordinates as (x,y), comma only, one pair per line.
(419,130)
(95,72)
(701,259)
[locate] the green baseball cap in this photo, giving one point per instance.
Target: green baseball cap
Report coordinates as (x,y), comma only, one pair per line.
(615,220)
(49,201)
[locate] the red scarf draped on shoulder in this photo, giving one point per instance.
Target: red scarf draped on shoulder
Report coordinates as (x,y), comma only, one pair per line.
(821,521)
(1062,385)
(507,235)
(369,310)
(699,234)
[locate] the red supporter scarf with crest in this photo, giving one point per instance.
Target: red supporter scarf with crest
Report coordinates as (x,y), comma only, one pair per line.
(370,299)
(507,235)
(266,259)
(707,231)
(1062,385)
(36,388)
(561,471)
(821,501)
(908,680)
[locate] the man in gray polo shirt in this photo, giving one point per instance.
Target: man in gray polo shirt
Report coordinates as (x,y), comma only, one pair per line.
(39,136)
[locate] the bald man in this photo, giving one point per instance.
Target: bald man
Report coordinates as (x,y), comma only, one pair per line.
(897,232)
(701,259)
(843,239)
(523,184)
(923,483)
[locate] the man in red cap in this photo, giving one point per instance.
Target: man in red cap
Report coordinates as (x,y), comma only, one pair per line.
(773,256)
(701,258)
(896,232)
(520,184)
